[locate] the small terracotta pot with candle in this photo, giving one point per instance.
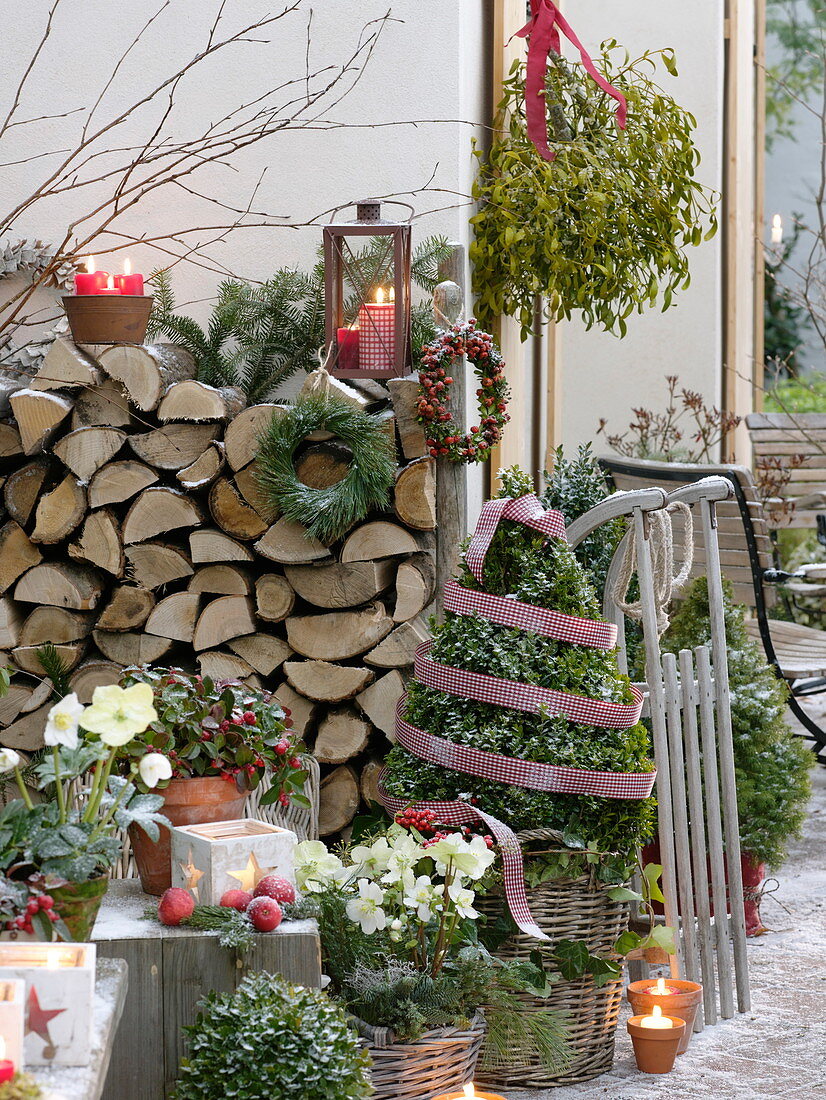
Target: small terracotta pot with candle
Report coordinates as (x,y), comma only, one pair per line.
(469,1092)
(656,1038)
(672,996)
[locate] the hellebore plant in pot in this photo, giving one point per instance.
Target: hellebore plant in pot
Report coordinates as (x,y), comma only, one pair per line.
(76,837)
(219,740)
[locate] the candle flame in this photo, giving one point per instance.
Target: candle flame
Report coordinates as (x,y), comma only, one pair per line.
(392,294)
(52,957)
(380,296)
(470,1091)
(110,283)
(91,265)
(661,987)
(127,266)
(656,1011)
(777,229)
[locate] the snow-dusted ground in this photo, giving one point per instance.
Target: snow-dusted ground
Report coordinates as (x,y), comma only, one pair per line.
(778,1050)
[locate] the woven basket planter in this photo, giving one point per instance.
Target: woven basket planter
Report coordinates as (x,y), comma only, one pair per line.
(441,1061)
(566,909)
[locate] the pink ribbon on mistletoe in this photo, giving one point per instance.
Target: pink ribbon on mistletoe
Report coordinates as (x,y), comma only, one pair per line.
(542,33)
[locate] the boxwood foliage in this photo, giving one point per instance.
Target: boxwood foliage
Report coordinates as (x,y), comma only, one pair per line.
(520,564)
(772,765)
(603,228)
(270,1040)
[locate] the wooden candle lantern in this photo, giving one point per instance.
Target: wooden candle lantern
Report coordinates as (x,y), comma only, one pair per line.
(367,312)
(12,1017)
(59,992)
(210,859)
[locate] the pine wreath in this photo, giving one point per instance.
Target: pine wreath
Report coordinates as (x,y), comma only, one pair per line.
(444,437)
(327,513)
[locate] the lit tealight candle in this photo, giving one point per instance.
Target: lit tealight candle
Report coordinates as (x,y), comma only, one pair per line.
(656,1019)
(470,1092)
(110,287)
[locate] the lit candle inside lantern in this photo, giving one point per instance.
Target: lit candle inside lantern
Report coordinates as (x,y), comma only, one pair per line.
(377,333)
(348,348)
(777,229)
(7,1067)
(110,287)
(656,1019)
(90,281)
(129,283)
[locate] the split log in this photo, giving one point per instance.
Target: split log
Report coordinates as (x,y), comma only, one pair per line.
(338,635)
(369,782)
(404,393)
(233,514)
(379,701)
(264,652)
(60,584)
(17,554)
(415,587)
(274,598)
(225,618)
(102,406)
(376,540)
(246,482)
(326,682)
(204,470)
(340,585)
(319,381)
(130,648)
(323,465)
(26,733)
(54,624)
(99,542)
(173,447)
(11,619)
(42,693)
(399,648)
(341,736)
(38,414)
(242,434)
(287,542)
(11,444)
(223,666)
(191,400)
(84,451)
(118,481)
(147,371)
(158,510)
(28,657)
(23,487)
(66,367)
(339,801)
(17,697)
(221,580)
(153,564)
(302,711)
(60,511)
(175,616)
(414,497)
(92,674)
(128,609)
(209,545)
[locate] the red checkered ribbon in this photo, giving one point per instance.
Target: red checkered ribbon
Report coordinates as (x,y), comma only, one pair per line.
(527,509)
(525,616)
(529,698)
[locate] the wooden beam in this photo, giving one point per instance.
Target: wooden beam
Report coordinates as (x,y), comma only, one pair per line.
(759,200)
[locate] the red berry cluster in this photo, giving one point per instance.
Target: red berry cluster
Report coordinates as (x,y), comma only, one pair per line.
(445,438)
(36,904)
(424,822)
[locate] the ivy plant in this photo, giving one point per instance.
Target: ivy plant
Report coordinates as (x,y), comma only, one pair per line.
(603,229)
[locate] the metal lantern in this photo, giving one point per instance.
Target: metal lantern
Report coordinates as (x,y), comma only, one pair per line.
(367,297)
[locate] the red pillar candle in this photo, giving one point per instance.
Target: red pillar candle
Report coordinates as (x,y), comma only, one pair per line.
(90,281)
(348,349)
(377,339)
(7,1070)
(129,283)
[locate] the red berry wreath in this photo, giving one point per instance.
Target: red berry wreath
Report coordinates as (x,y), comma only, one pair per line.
(444,438)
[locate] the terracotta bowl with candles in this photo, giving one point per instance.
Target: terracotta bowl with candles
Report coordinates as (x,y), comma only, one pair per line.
(656,1038)
(674,997)
(108,317)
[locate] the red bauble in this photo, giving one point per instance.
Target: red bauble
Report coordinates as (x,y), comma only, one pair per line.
(265,914)
(175,906)
(236,899)
(274,886)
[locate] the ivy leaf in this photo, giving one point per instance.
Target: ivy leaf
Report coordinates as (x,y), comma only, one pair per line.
(651,873)
(622,893)
(572,957)
(629,941)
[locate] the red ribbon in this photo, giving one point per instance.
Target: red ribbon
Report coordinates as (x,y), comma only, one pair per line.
(543,34)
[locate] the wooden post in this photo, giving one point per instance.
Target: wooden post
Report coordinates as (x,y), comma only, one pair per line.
(759,199)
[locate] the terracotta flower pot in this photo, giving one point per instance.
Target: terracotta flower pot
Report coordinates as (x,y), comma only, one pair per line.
(655,1049)
(77,905)
(683,1005)
(186,802)
(108,319)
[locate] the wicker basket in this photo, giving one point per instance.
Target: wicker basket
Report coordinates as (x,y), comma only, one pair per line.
(573,909)
(441,1061)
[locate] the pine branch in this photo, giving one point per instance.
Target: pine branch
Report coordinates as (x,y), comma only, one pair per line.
(55,669)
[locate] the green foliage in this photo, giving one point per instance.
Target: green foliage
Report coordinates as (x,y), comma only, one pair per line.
(785,319)
(235,928)
(798,395)
(21,1087)
(272,1041)
(327,513)
(56,670)
(520,564)
(772,765)
(795,31)
(603,228)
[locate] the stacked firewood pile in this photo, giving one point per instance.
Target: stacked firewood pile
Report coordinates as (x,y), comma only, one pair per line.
(135,532)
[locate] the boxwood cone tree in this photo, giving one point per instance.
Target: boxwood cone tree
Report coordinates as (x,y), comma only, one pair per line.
(522,564)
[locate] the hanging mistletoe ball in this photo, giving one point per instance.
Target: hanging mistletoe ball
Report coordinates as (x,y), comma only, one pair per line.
(444,437)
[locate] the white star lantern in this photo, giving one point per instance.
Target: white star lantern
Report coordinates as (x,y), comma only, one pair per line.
(210,859)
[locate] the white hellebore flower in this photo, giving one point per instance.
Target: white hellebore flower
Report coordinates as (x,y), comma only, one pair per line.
(421,896)
(118,714)
(405,855)
(154,768)
(470,859)
(462,899)
(372,859)
(62,723)
(315,867)
(366,909)
(9,760)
